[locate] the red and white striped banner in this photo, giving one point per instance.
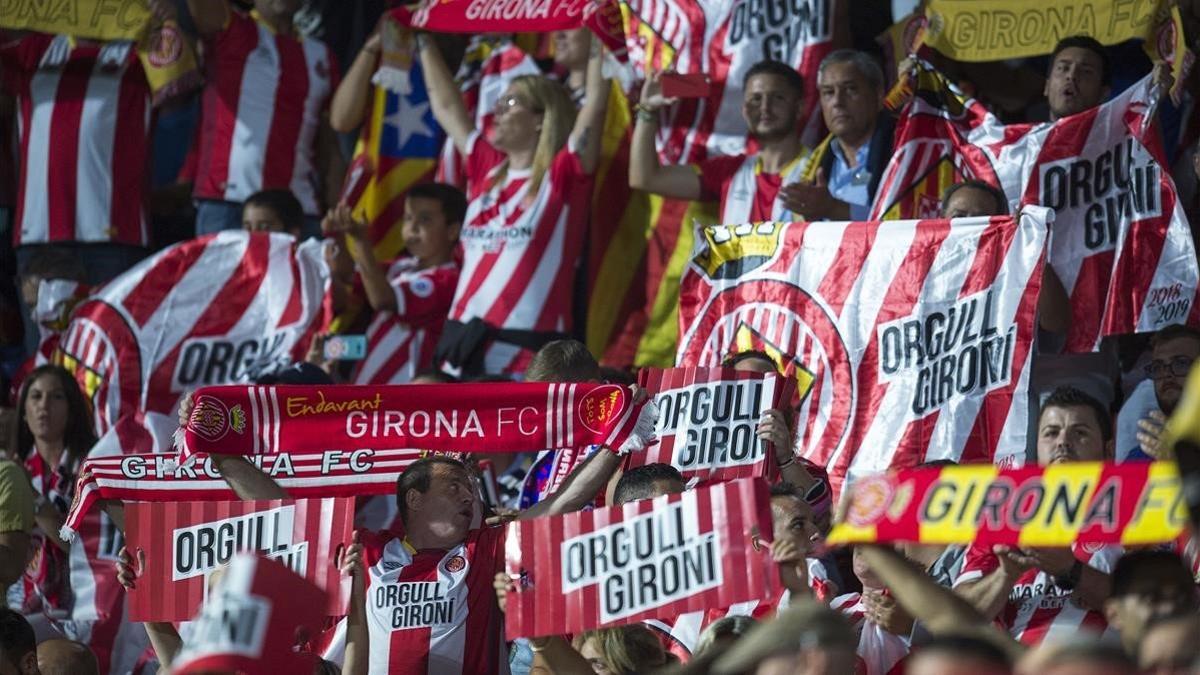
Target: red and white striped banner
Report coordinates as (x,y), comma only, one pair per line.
(910,339)
(159,478)
(490,417)
(185,542)
(723,40)
(1125,253)
(213,310)
(648,559)
(708,421)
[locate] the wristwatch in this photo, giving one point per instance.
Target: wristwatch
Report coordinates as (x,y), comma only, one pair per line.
(1070,580)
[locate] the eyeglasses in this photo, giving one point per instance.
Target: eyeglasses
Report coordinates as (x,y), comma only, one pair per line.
(1176,367)
(509,102)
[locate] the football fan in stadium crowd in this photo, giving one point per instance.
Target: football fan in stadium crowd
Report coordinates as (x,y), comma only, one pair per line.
(273,211)
(850,85)
(263,114)
(18,646)
(572,49)
(54,435)
(747,186)
(529,187)
(410,296)
(1040,594)
(1173,350)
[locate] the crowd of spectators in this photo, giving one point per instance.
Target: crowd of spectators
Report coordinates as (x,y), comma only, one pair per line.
(264,155)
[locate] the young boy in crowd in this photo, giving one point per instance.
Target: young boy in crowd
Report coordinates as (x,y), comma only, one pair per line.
(273,211)
(411,296)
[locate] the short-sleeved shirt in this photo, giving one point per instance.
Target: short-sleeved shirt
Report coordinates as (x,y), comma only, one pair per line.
(261,111)
(1037,608)
(16,499)
(728,180)
(84,116)
(433,610)
(520,251)
(400,344)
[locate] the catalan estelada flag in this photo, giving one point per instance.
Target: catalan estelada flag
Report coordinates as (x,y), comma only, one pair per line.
(638,243)
(400,141)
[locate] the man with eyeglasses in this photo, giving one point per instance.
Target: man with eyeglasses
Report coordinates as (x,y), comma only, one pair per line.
(1172,352)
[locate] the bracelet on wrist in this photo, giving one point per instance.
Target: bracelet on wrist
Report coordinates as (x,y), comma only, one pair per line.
(645,114)
(786,463)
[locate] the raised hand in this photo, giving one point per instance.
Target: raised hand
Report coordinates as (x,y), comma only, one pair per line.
(127,572)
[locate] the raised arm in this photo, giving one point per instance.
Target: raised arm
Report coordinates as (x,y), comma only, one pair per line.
(579,488)
(245,479)
(358,636)
(379,292)
(210,16)
(587,136)
(935,606)
(349,104)
(645,171)
(444,96)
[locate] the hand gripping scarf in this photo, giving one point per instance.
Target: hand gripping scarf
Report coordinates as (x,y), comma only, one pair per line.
(489,417)
(159,478)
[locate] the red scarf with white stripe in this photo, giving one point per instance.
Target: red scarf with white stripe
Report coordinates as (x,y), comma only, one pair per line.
(158,478)
(489,417)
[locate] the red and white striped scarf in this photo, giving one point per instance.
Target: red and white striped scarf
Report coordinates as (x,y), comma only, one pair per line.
(159,478)
(491,417)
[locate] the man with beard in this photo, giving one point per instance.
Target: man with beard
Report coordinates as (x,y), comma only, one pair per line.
(747,186)
(1049,593)
(1172,352)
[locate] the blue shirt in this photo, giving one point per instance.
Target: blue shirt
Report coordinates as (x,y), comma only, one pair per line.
(851,185)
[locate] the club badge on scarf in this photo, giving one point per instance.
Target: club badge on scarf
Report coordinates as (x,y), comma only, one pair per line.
(648,559)
(159,478)
(1079,502)
(492,417)
(250,622)
(185,542)
(708,421)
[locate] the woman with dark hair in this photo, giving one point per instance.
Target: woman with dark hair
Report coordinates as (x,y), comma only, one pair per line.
(53,435)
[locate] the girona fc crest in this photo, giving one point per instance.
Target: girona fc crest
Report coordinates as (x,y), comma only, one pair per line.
(599,406)
(796,329)
(166,46)
(456,564)
(734,250)
(212,420)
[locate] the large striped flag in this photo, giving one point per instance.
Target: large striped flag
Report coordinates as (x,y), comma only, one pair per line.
(1123,248)
(213,310)
(912,336)
(635,260)
(399,145)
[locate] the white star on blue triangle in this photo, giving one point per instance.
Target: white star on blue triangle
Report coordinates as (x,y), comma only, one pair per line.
(409,130)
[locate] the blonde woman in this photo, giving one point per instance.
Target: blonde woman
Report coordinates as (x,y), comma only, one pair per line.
(528,186)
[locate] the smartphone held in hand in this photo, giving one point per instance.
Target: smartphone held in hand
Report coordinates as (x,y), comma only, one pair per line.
(346,347)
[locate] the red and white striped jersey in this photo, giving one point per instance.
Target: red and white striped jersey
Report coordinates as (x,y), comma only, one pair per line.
(879,652)
(78,591)
(1037,609)
(401,343)
(520,250)
(723,40)
(83,115)
(433,611)
(261,110)
(747,193)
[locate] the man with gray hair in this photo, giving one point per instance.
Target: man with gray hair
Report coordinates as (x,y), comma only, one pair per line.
(852,159)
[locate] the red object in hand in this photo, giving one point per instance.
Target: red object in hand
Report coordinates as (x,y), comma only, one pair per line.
(691,85)
(358,174)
